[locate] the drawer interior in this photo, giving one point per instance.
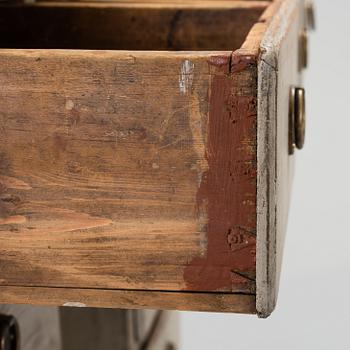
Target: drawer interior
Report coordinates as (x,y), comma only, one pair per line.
(126,26)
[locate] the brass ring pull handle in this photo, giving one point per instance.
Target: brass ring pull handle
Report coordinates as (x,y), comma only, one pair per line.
(299,117)
(296,119)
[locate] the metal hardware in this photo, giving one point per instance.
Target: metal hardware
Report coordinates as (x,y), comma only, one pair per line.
(296,119)
(310,15)
(299,117)
(9,333)
(303,49)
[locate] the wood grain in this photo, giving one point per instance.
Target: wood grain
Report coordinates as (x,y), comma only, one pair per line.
(99,180)
(278,72)
(133,178)
(100,183)
(105,187)
(212,302)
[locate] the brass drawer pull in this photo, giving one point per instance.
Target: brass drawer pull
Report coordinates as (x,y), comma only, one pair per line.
(297,119)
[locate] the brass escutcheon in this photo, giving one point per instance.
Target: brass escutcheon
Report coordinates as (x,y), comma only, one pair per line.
(296,119)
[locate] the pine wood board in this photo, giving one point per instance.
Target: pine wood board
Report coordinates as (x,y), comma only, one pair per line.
(140,173)
(129,299)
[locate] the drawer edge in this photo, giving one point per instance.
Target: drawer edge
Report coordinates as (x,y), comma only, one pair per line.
(272,126)
(129,299)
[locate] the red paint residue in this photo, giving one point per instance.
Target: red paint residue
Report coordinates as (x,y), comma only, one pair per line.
(228,191)
(219,61)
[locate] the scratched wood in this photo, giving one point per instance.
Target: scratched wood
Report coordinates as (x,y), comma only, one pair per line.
(279,70)
(208,302)
(100,183)
(131,174)
(99,179)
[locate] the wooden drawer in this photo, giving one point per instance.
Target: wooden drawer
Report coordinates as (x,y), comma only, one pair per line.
(144,152)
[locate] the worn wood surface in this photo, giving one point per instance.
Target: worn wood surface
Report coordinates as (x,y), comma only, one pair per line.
(134,174)
(99,179)
(104,187)
(278,72)
(120,26)
(185,301)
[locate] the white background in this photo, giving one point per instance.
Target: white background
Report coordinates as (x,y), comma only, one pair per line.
(313,310)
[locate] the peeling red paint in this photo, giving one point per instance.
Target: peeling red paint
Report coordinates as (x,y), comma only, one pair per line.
(228,188)
(219,61)
(241,62)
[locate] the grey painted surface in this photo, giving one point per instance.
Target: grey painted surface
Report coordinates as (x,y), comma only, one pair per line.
(313,309)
